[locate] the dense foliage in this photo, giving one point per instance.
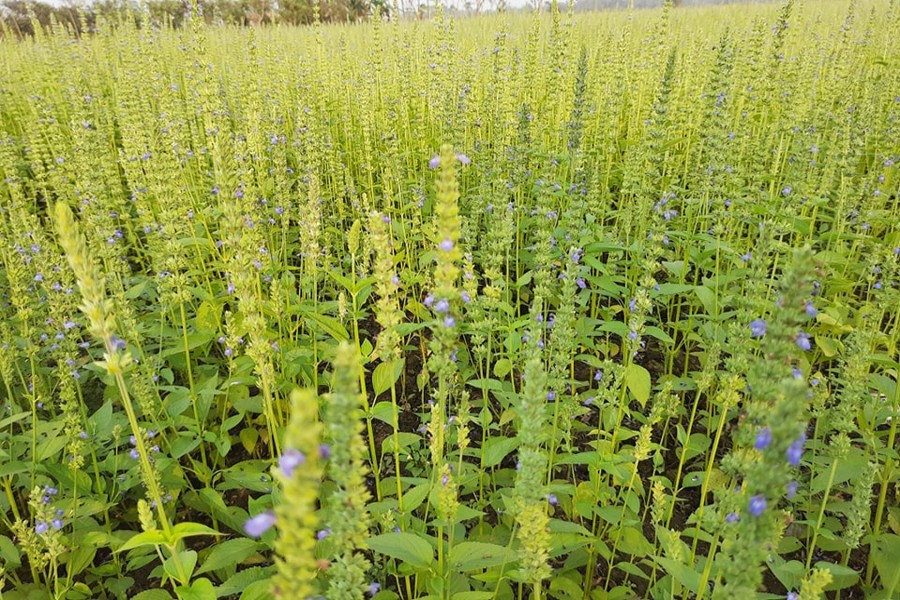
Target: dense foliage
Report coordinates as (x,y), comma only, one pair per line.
(520,306)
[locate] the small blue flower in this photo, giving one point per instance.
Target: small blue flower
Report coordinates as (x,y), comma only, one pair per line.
(289,461)
(41,527)
(324,451)
(757,505)
(435,162)
(732,517)
(552,499)
(322,534)
(374,587)
(763,438)
(261,523)
(795,451)
(442,306)
(791,490)
(551,395)
(803,341)
(758,328)
(447,245)
(57,524)
(449,322)
(811,310)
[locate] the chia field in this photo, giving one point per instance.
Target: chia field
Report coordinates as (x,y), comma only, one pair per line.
(594,306)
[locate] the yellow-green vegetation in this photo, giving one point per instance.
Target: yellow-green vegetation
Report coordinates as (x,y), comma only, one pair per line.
(597,306)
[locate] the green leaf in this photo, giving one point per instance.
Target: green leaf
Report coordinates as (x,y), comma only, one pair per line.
(841,577)
(9,553)
(241,580)
(188,560)
(201,589)
(886,556)
(659,334)
(502,368)
(249,437)
(707,299)
(471,556)
(258,590)
(157,594)
(637,378)
(183,530)
(208,316)
(685,575)
(228,554)
(495,450)
(632,541)
(329,325)
(405,547)
(154,537)
(829,347)
(386,375)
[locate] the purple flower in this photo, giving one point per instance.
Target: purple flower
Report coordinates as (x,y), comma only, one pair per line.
(429,300)
(758,328)
(134,453)
(732,518)
(803,341)
(449,322)
(463,158)
(757,505)
(465,296)
(41,527)
(374,587)
(50,491)
(322,534)
(580,283)
(289,461)
(792,596)
(792,490)
(261,523)
(795,451)
(435,162)
(551,395)
(324,451)
(57,524)
(442,306)
(787,190)
(811,310)
(552,499)
(763,438)
(447,245)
